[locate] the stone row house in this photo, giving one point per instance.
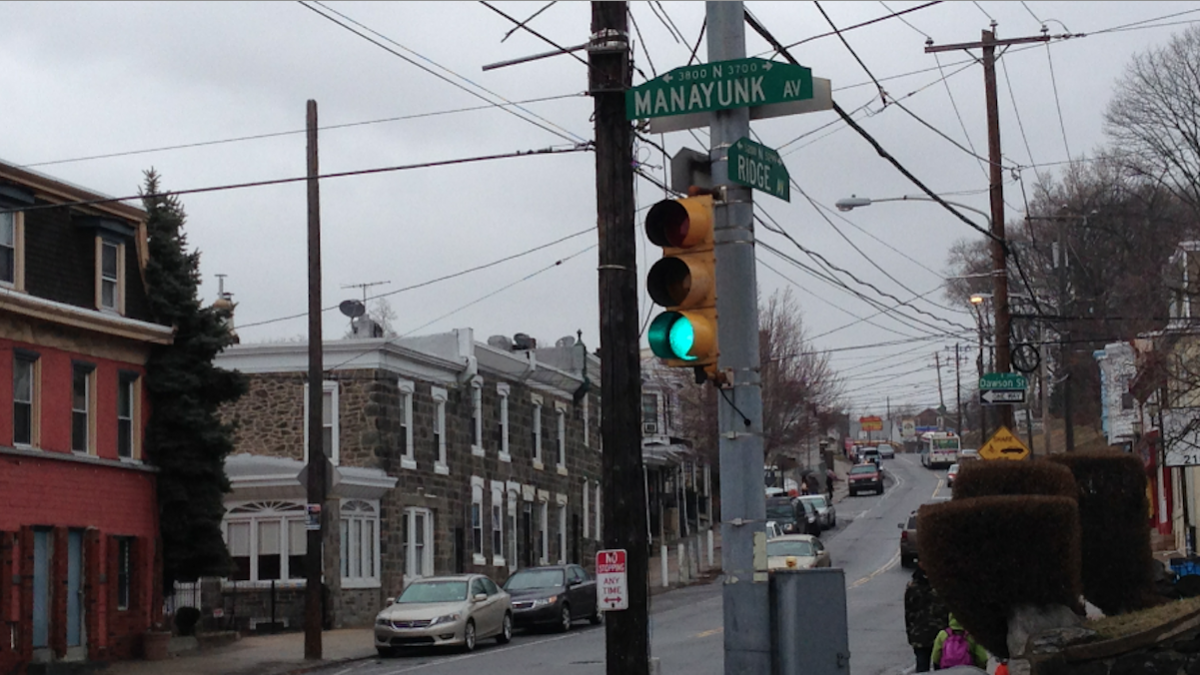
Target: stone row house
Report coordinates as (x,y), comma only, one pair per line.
(449,455)
(79,539)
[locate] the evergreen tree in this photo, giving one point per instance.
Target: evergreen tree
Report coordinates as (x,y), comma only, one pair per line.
(184,437)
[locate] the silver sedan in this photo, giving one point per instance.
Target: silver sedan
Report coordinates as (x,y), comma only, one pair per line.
(445,611)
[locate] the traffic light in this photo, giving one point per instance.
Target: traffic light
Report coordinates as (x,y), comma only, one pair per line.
(684,281)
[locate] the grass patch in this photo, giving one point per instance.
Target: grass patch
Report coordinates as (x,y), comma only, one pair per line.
(1122,625)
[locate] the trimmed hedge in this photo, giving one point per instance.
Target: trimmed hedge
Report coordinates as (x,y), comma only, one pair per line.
(988,555)
(982,477)
(1114,518)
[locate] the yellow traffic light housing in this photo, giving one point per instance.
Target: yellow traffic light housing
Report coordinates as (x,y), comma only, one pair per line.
(684,281)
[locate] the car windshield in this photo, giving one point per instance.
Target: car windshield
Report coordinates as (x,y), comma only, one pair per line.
(789,547)
(780,512)
(534,579)
(433,591)
(862,469)
(816,500)
(885,447)
(953,468)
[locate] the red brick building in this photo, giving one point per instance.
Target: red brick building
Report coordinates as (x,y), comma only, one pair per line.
(78,510)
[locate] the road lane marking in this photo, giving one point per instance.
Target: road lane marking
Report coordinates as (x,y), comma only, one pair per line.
(886,566)
(937,488)
(709,633)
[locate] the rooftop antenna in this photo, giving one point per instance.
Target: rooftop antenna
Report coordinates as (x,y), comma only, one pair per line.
(221,285)
(365,286)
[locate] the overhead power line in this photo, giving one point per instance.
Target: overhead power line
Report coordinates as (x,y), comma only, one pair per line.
(296,179)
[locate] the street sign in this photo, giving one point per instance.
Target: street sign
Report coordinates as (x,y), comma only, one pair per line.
(1004,445)
(1002,388)
(1003,381)
(760,167)
(722,85)
(612,580)
(1001,396)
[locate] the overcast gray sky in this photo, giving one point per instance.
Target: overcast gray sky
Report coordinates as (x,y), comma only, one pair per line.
(89,85)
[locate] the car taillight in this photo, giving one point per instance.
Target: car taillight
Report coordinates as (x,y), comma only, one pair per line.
(904,535)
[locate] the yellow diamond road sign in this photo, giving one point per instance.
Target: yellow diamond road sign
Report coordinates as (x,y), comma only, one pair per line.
(1004,445)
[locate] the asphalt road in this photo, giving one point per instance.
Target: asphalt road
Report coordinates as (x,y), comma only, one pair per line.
(686,625)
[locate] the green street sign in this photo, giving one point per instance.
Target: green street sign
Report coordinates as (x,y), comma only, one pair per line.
(722,85)
(760,167)
(1009,381)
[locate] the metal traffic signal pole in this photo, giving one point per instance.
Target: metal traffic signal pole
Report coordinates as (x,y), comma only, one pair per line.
(743,507)
(627,638)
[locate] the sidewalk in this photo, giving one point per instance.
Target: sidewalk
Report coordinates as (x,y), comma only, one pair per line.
(259,655)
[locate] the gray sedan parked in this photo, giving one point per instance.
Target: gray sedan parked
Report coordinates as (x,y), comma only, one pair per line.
(553,596)
(826,512)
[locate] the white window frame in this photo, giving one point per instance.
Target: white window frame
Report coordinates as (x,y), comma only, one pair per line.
(440,465)
(411,561)
(476,518)
(560,420)
(599,533)
(17,219)
(255,513)
(498,515)
(503,390)
(88,410)
(514,498)
(543,510)
(34,394)
(477,416)
(129,382)
(408,458)
(586,511)
(363,512)
(537,432)
(561,500)
(118,280)
(327,387)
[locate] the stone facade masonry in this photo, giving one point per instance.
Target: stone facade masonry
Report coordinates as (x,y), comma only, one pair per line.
(269,421)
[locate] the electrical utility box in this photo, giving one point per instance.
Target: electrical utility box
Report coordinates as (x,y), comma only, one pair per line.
(809,631)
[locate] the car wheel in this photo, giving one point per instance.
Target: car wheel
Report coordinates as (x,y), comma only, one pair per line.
(879,490)
(597,617)
(564,618)
(906,561)
(505,630)
(853,493)
(385,652)
(469,636)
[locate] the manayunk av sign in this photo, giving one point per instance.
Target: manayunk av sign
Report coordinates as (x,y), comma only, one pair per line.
(722,85)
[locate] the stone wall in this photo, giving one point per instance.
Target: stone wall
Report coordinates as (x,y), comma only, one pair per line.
(269,421)
(1172,648)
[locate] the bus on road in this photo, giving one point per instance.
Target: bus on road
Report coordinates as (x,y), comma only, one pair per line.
(939,449)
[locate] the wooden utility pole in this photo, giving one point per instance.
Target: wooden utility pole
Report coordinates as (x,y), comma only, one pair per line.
(316,450)
(989,43)
(958,392)
(627,641)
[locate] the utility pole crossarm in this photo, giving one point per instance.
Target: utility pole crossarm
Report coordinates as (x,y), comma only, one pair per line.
(995,43)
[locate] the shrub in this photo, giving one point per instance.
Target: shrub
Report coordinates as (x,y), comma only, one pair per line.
(186,619)
(987,555)
(982,478)
(1117,569)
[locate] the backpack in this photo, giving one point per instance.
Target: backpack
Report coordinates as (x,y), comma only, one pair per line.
(956,651)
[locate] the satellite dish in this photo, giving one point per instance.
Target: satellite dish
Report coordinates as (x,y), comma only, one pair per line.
(563,342)
(352,308)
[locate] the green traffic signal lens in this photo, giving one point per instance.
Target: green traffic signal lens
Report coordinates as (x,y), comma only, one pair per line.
(682,337)
(672,336)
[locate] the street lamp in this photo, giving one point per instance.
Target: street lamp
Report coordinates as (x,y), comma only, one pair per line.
(999,278)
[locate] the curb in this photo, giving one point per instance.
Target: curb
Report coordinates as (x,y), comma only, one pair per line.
(326,664)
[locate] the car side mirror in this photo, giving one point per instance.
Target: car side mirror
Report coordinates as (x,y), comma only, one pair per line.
(480,597)
(573,582)
(391,601)
(900,525)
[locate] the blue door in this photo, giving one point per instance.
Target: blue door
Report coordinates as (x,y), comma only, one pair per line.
(41,589)
(75,588)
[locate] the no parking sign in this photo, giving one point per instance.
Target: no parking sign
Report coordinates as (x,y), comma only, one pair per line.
(612,580)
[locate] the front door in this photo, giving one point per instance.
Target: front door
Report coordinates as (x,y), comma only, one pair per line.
(76,632)
(42,550)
